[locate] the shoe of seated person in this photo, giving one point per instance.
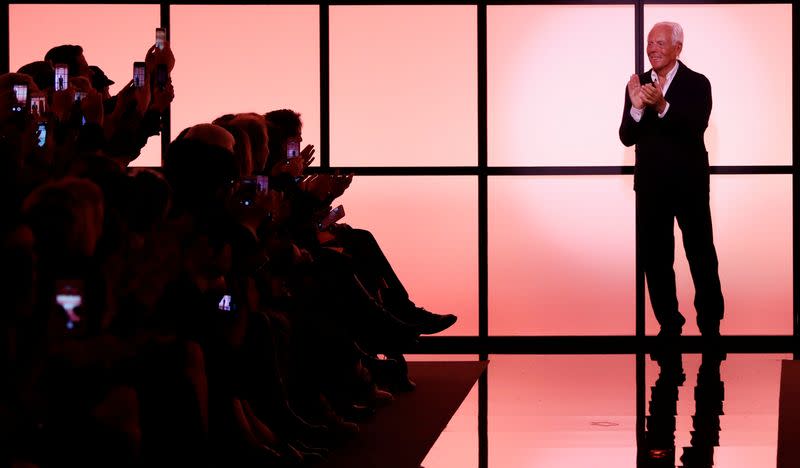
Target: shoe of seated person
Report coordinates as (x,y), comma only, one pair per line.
(400,382)
(357,412)
(297,427)
(426,322)
(404,384)
(429,323)
(305,447)
(343,429)
(381,370)
(380,397)
(339,428)
(308,456)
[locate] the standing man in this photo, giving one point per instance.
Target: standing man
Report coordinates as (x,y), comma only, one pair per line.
(665,115)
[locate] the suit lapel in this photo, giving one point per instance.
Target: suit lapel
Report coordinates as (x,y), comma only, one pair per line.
(676,80)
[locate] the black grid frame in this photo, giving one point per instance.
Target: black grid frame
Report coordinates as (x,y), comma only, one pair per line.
(483,345)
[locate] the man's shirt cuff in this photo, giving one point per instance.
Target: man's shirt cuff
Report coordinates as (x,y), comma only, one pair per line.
(662,114)
(637,114)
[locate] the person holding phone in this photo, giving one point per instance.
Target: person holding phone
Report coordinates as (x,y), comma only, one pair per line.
(100,81)
(71,56)
(371,265)
(665,115)
(17,128)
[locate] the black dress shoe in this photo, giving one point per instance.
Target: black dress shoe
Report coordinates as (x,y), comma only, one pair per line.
(382,370)
(435,323)
(426,322)
(401,382)
(710,329)
(672,326)
(357,412)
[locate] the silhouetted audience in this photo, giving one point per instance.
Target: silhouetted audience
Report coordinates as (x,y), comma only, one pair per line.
(212,312)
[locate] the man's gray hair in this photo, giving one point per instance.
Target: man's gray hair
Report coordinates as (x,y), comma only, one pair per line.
(677,31)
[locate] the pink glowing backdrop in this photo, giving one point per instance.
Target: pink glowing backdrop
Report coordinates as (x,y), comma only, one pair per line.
(561,248)
(112,37)
(749,423)
(403,85)
(556,77)
(561,255)
(237,58)
(457,446)
(571,411)
(562,411)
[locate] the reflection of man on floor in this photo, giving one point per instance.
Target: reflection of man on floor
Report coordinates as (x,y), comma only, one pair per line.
(657,449)
(665,115)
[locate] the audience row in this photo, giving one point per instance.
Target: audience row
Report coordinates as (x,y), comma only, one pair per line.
(211,312)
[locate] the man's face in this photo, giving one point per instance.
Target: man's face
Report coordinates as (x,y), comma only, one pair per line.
(660,50)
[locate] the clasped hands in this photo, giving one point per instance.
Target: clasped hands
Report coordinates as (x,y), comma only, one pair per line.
(650,94)
(327,187)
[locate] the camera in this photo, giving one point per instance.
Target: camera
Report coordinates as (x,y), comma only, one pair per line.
(69,295)
(161,36)
(249,187)
(41,134)
(38,104)
(21,93)
(226,304)
(335,215)
(62,77)
(292,148)
(138,74)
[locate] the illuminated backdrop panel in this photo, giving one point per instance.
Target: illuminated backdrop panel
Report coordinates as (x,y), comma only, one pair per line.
(246,58)
(403,85)
(561,255)
(556,78)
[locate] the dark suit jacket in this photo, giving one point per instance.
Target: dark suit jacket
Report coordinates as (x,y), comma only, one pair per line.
(671,155)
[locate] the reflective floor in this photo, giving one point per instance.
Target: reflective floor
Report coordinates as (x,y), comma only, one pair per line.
(559,411)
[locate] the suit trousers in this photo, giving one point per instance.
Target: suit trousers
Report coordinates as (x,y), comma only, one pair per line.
(656,217)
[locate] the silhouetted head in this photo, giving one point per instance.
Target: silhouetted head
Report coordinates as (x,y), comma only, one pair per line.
(16,128)
(241,148)
(66,217)
(72,56)
(100,81)
(200,165)
(256,128)
(282,125)
(153,196)
(41,72)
